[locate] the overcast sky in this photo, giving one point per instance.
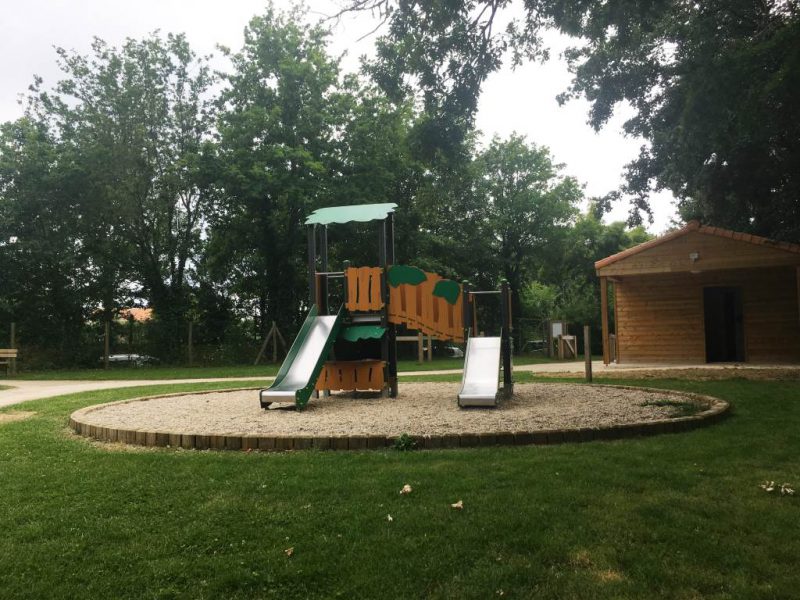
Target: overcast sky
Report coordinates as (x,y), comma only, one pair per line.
(521,100)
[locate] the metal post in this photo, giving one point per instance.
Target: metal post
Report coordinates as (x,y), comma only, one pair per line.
(505,341)
(391,329)
(345,267)
(388,348)
(587,353)
(465,314)
(474,313)
(323,242)
(420,350)
(390,238)
(312,264)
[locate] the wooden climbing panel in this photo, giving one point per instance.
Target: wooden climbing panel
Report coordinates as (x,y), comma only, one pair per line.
(356,375)
(364,289)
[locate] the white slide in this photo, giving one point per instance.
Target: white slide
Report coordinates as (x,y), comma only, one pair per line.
(481,381)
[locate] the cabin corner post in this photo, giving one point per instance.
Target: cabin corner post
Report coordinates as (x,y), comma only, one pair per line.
(604,316)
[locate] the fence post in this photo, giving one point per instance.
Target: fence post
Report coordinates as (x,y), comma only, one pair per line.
(587,353)
(191,350)
(106,343)
(13,361)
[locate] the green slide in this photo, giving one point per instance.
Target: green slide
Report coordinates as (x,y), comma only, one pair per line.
(301,368)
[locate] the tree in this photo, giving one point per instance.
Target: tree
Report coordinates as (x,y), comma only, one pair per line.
(529,205)
(715,86)
(44,286)
(134,123)
(278,115)
(566,285)
(375,162)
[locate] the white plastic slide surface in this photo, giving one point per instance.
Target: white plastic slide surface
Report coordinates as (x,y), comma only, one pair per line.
(481,381)
(302,366)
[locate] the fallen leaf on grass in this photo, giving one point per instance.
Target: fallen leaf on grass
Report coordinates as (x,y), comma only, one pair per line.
(458,505)
(389,518)
(406,490)
(786,490)
(768,486)
(289,552)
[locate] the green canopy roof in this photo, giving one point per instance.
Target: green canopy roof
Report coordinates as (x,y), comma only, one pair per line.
(347,214)
(363,332)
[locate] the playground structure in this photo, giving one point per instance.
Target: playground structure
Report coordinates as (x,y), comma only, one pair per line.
(353,346)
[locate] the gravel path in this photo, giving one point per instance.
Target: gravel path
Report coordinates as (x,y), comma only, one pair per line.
(421,409)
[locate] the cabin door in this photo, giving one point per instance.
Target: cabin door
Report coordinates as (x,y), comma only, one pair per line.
(724,324)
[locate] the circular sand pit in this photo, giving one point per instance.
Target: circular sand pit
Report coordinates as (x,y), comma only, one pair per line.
(540,413)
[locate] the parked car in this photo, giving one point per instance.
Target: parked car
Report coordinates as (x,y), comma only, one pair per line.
(136,360)
(453,351)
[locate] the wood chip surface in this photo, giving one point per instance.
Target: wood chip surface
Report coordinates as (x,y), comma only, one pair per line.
(421,409)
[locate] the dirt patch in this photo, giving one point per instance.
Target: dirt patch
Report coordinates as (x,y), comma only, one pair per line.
(17,415)
(422,409)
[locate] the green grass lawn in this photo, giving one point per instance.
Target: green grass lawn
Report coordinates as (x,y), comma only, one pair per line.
(673,516)
(266,370)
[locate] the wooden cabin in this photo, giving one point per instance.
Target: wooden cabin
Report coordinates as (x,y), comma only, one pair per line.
(702,295)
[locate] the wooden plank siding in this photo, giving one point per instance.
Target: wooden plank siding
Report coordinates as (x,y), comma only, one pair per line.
(659,318)
(714,253)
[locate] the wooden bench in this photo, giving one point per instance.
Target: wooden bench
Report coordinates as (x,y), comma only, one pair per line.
(8,357)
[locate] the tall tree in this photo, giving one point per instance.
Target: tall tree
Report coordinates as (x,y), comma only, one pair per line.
(529,205)
(136,122)
(715,86)
(278,114)
(44,284)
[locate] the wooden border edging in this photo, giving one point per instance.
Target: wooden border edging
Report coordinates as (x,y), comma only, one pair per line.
(716,409)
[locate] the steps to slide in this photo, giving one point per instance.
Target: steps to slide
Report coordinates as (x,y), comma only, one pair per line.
(298,373)
(481,381)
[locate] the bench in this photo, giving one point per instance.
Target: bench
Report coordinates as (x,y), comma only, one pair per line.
(8,357)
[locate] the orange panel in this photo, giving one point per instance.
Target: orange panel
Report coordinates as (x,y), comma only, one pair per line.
(376,302)
(363,288)
(417,308)
(356,375)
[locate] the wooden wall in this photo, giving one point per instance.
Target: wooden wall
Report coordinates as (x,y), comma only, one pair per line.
(659,318)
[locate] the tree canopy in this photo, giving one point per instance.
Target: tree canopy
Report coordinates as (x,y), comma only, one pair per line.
(715,87)
(142,178)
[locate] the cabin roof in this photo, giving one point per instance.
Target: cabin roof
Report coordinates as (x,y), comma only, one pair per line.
(693,228)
